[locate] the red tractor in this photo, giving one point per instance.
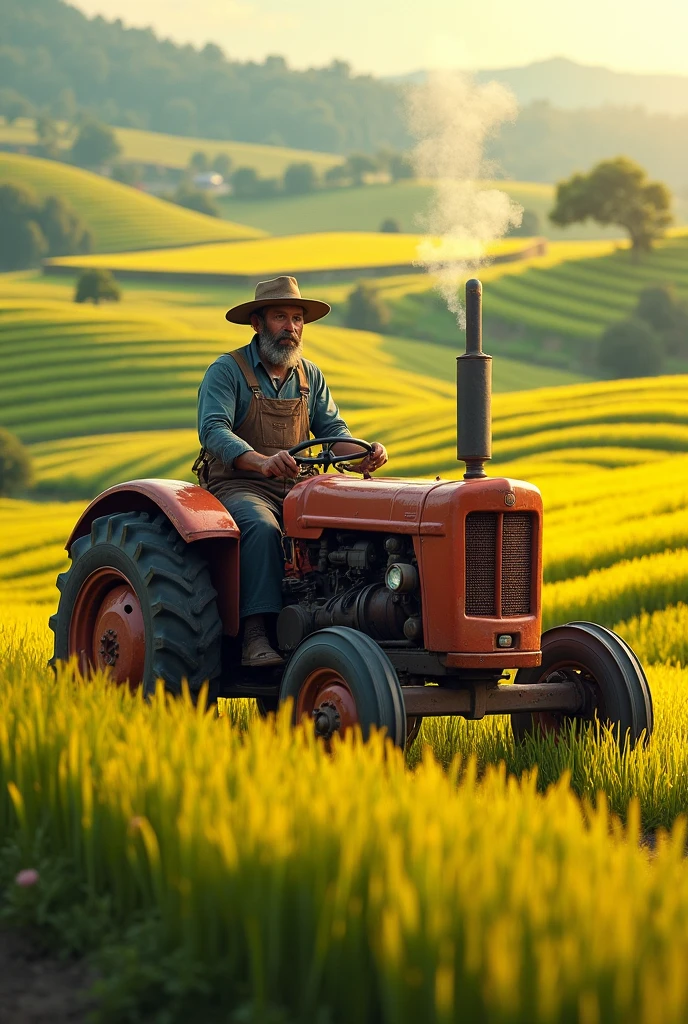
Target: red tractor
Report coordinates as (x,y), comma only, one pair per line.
(402,598)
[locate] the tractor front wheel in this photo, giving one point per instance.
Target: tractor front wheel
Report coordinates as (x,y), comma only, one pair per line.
(606,671)
(138,602)
(340,678)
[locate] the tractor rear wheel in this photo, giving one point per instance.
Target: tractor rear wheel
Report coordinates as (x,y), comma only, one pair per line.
(341,678)
(607,671)
(137,601)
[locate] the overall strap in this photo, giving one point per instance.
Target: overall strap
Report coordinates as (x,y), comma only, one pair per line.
(247,370)
(304,386)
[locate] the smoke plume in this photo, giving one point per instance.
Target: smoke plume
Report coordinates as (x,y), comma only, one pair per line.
(451,117)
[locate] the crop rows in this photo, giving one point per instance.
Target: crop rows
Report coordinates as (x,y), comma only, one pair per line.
(119,217)
(581,297)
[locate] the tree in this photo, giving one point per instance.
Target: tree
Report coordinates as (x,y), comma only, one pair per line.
(48,137)
(64,106)
(401,168)
(16,472)
(95,144)
(14,105)
(390,226)
(616,192)
(22,243)
(365,310)
(97,285)
(667,314)
(179,116)
(128,174)
(630,349)
(199,162)
(64,230)
(299,179)
(336,175)
(245,183)
(358,165)
(222,164)
(195,199)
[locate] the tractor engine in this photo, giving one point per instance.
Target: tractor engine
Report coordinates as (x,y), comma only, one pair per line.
(366,581)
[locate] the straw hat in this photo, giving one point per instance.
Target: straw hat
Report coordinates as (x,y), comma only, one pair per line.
(282,291)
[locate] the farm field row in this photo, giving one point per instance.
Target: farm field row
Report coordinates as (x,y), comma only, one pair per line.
(306,255)
(119,217)
(428,881)
(135,367)
(551,309)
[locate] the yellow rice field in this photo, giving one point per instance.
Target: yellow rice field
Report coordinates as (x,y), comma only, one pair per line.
(312,253)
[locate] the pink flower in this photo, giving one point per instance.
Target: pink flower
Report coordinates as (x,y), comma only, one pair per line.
(27,877)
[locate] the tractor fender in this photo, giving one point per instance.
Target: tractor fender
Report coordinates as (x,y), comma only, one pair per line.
(197,516)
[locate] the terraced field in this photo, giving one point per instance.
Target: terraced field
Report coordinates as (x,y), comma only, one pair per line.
(77,380)
(118,216)
(307,255)
(554,307)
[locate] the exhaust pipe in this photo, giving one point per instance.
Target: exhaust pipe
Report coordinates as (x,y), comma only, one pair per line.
(474,391)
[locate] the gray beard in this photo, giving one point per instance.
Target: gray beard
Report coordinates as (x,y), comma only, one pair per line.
(276,354)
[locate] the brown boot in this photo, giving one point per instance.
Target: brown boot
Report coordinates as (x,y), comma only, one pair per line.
(256,651)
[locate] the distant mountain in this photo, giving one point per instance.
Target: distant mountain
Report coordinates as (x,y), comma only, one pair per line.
(564,83)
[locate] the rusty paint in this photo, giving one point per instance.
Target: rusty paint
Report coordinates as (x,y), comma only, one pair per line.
(197,516)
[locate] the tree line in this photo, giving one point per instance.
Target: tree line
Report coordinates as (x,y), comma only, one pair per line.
(55,60)
(53,56)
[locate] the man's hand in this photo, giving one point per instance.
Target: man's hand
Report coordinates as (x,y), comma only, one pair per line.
(375,459)
(279,465)
(282,464)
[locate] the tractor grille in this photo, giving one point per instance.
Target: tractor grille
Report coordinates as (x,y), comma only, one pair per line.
(517,563)
(482,531)
(481,548)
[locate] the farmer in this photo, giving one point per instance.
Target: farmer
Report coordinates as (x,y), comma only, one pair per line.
(254,404)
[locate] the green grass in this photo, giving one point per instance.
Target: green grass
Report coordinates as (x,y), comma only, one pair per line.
(174,151)
(364,209)
(118,216)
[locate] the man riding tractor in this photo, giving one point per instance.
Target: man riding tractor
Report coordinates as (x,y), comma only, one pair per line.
(253,405)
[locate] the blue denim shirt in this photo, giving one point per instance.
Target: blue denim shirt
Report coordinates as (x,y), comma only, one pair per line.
(224,398)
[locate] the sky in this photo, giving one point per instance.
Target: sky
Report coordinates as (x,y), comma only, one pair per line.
(388,37)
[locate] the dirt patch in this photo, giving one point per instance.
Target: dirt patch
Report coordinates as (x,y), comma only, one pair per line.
(37,989)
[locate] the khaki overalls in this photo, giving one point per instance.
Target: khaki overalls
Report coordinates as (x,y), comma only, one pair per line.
(271,425)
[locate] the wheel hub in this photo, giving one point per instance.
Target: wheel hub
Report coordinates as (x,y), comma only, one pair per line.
(327,719)
(326,698)
(107,630)
(109,647)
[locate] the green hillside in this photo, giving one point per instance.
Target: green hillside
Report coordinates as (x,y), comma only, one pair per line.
(364,209)
(174,151)
(552,314)
(119,217)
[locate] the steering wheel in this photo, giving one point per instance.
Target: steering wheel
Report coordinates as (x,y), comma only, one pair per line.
(326,458)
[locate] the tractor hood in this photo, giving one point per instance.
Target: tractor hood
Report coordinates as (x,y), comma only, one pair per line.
(395,505)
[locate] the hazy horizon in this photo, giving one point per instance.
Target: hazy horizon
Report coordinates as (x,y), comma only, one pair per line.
(444,34)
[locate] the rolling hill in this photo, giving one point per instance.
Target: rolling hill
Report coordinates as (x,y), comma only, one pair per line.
(163,150)
(118,216)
